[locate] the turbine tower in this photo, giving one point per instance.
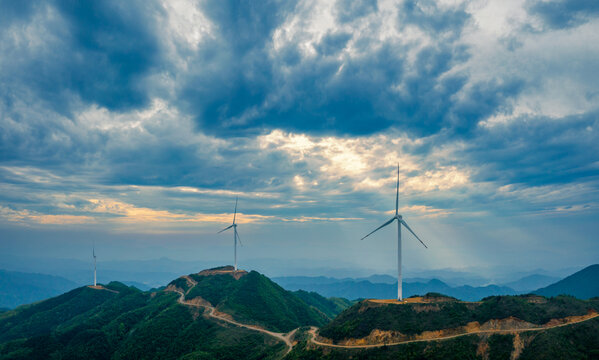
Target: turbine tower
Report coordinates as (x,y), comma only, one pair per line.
(400,222)
(235,234)
(94,254)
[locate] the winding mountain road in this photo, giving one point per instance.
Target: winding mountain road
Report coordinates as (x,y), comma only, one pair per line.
(313,335)
(286,337)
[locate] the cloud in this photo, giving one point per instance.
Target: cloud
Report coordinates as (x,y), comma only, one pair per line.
(347,10)
(163,112)
(562,14)
(70,52)
(26,216)
(127,213)
(311,69)
(361,158)
(434,17)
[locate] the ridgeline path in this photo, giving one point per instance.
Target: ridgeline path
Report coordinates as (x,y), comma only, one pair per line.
(286,337)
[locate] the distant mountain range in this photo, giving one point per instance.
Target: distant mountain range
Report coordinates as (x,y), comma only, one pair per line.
(583,284)
(358,289)
(18,288)
(531,282)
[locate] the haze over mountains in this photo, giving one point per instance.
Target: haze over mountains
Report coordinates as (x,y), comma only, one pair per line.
(360,288)
(22,288)
(582,284)
(18,288)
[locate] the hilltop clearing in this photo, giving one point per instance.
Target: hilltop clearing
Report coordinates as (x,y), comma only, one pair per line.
(252,298)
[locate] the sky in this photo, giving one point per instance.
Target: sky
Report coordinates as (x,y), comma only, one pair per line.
(136,125)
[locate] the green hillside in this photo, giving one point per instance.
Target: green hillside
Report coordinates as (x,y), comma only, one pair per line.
(255,299)
(583,284)
(121,322)
(413,318)
(124,323)
(578,341)
(331,307)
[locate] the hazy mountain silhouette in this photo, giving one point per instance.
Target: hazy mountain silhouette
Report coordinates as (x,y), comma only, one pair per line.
(18,288)
(583,284)
(357,289)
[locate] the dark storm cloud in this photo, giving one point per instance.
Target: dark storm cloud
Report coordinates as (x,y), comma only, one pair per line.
(563,14)
(94,52)
(331,44)
(237,86)
(427,15)
(538,151)
(349,10)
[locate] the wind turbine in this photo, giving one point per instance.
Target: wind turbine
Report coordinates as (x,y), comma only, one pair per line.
(94,254)
(235,234)
(400,222)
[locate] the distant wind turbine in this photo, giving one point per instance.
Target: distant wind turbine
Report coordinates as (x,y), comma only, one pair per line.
(235,234)
(94,254)
(400,222)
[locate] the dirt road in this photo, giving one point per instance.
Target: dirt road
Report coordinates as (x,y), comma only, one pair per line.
(285,337)
(510,331)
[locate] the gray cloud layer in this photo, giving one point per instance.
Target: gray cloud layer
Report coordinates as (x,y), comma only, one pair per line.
(116,109)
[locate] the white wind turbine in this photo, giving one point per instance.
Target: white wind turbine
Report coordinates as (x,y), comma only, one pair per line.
(400,222)
(94,254)
(235,234)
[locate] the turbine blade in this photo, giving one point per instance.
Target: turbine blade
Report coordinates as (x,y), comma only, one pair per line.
(397,193)
(227,228)
(378,228)
(238,238)
(407,227)
(235,213)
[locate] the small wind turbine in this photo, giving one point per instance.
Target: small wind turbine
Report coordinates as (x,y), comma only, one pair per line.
(400,222)
(94,254)
(235,234)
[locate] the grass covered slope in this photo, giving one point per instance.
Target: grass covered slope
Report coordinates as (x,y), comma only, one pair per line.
(255,299)
(124,323)
(583,284)
(414,318)
(331,307)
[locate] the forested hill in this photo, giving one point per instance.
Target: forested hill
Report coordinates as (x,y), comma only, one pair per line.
(254,299)
(362,318)
(120,322)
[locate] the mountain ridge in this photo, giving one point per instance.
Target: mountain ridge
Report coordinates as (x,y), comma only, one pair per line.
(583,284)
(359,288)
